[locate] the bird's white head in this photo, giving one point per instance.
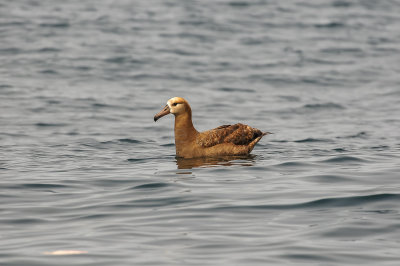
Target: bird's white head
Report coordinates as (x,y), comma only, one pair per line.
(176,106)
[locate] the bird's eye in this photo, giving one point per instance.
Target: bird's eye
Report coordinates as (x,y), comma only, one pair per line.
(174,104)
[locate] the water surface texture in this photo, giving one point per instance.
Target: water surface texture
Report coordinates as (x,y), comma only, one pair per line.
(83,166)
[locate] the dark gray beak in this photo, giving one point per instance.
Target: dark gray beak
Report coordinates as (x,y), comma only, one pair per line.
(162,113)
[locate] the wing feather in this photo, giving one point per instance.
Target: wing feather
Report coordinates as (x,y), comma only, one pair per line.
(237,134)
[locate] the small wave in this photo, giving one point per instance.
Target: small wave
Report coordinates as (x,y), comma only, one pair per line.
(130,140)
(279,141)
(200,37)
(193,22)
(311,140)
(361,134)
(252,41)
(117,60)
(101,105)
(47,186)
(308,257)
(330,25)
(341,3)
(123,60)
(328,178)
(380,147)
(289,98)
(228,89)
(139,159)
(179,52)
(168,145)
(24,221)
(53,102)
(342,51)
(120,142)
(340,150)
(322,81)
(321,203)
(5,86)
(324,61)
(160,202)
(151,186)
(393,93)
(186,35)
(83,68)
(49,50)
(42,124)
(95,216)
(328,105)
(239,4)
(344,159)
(291,164)
(12,23)
(55,25)
(48,71)
(352,201)
(11,50)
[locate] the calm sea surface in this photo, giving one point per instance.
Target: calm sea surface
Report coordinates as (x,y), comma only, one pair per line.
(83,167)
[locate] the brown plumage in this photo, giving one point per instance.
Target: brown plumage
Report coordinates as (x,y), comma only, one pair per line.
(237,139)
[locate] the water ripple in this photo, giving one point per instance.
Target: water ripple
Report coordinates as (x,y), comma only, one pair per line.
(84,167)
(320,203)
(345,159)
(151,186)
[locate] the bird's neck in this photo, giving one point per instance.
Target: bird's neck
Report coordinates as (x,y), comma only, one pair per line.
(184,129)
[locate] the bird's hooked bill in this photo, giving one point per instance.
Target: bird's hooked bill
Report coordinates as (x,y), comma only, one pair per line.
(162,113)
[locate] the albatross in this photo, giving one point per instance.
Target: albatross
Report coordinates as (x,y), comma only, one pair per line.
(226,140)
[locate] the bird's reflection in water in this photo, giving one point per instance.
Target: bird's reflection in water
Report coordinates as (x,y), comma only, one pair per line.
(204,162)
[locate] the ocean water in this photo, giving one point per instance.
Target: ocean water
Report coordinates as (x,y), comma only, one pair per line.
(83,167)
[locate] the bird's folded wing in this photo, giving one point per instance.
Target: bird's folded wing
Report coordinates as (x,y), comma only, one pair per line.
(237,134)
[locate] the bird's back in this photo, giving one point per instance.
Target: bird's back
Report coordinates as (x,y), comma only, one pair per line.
(237,134)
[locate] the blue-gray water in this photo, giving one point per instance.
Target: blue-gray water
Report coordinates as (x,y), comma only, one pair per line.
(84,167)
